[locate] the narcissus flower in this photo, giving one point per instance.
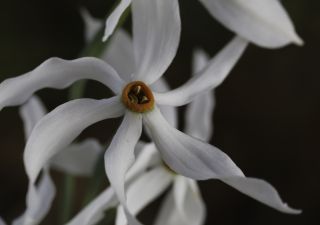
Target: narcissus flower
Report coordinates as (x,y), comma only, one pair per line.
(263,22)
(149,177)
(156,33)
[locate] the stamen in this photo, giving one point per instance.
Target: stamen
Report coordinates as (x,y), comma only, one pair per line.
(137,89)
(144,100)
(138,97)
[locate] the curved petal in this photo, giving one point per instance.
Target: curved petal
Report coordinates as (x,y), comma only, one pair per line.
(119,54)
(199,112)
(39,200)
(198,160)
(113,20)
(120,156)
(94,211)
(78,159)
(156,34)
(186,155)
(263,22)
(188,201)
(147,158)
(213,75)
(91,24)
(169,112)
(261,191)
(57,73)
(168,213)
(144,190)
(2,221)
(56,130)
(31,112)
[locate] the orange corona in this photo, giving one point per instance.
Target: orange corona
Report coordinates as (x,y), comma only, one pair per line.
(138,97)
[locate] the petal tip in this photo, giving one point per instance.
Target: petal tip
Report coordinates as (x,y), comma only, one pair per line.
(105,37)
(290,210)
(298,41)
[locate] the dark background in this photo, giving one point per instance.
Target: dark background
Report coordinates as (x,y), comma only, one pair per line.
(267,117)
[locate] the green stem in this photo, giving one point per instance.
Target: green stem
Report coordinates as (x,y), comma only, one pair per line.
(68,193)
(96,181)
(94,49)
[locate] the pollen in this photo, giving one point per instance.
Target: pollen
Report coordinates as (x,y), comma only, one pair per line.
(138,97)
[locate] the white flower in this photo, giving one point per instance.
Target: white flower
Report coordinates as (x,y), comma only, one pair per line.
(156,29)
(77,159)
(263,22)
(149,177)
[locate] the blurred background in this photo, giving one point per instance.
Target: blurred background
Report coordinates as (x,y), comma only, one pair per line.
(267,117)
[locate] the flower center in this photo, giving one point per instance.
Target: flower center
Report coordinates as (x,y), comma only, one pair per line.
(138,97)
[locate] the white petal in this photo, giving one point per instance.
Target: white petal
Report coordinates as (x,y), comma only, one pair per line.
(199,112)
(114,18)
(169,112)
(189,201)
(156,34)
(261,191)
(144,190)
(147,158)
(56,130)
(213,75)
(57,73)
(198,160)
(120,156)
(94,211)
(169,214)
(119,54)
(78,159)
(263,22)
(2,221)
(91,24)
(39,200)
(186,155)
(31,112)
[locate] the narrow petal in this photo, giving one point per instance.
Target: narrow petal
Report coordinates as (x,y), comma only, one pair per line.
(199,112)
(2,221)
(186,155)
(94,211)
(113,19)
(59,128)
(198,160)
(168,213)
(39,200)
(212,76)
(144,190)
(156,35)
(120,156)
(119,54)
(31,112)
(169,112)
(91,24)
(78,159)
(57,73)
(188,201)
(263,22)
(261,191)
(147,158)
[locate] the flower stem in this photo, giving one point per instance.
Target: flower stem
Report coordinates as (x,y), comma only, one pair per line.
(96,181)
(94,49)
(68,193)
